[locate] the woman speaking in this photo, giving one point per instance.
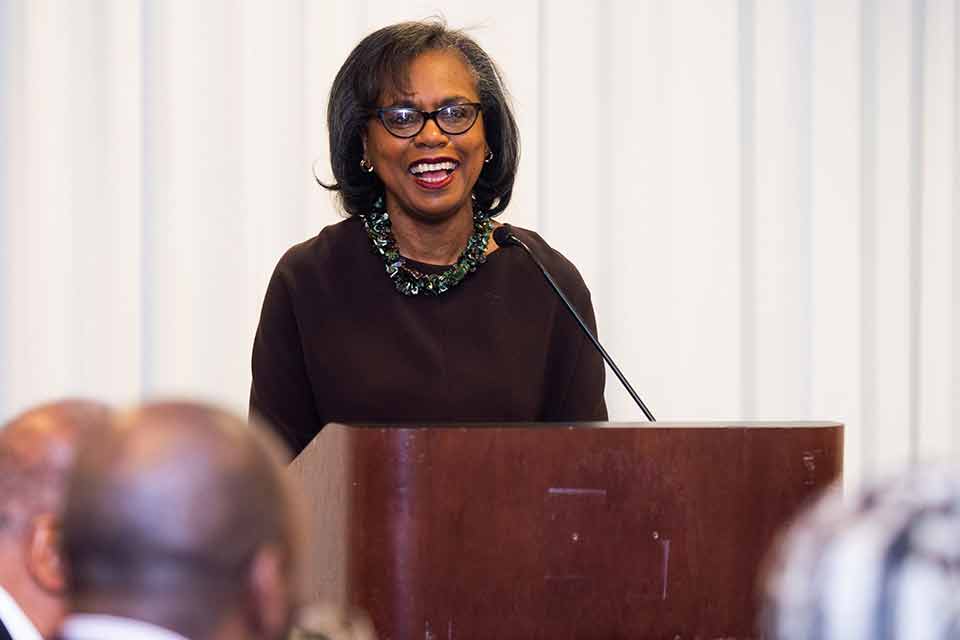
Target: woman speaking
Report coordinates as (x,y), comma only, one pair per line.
(407,311)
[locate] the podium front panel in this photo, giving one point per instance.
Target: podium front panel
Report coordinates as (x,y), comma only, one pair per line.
(536,531)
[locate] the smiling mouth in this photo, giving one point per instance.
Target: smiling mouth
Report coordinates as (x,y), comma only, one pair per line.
(433,174)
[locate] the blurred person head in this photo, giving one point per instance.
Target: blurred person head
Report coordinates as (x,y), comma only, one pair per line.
(180,517)
(378,132)
(37,450)
(882,565)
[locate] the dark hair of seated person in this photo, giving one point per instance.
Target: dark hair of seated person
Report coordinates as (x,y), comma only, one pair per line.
(179,516)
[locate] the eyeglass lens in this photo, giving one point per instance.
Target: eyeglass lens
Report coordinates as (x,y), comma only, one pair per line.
(453,119)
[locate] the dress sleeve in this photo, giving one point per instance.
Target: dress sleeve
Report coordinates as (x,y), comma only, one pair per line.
(281,392)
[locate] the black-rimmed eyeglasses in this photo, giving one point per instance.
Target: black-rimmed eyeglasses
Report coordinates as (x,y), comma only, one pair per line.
(406,122)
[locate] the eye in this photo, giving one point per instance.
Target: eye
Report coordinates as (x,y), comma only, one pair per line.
(401,118)
(457,113)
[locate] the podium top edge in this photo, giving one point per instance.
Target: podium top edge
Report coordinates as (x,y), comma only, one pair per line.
(703,424)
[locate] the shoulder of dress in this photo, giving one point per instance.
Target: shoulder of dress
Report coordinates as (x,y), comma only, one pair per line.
(335,243)
(560,267)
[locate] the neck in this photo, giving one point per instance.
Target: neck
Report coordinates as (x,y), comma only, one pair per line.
(437,242)
(43,610)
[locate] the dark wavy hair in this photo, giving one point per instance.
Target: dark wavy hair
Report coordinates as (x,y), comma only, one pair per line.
(381,62)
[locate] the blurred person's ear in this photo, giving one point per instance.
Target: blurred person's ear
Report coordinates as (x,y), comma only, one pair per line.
(42,553)
(271,593)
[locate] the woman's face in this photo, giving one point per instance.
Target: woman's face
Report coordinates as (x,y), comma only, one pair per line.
(436,79)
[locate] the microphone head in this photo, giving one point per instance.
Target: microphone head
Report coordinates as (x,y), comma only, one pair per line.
(503,236)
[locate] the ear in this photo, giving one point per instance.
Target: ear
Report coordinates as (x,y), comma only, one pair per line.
(270,594)
(44,562)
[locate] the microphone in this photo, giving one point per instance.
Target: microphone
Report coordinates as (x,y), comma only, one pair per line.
(504,237)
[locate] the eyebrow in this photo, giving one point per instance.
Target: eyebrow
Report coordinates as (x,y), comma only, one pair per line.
(408,101)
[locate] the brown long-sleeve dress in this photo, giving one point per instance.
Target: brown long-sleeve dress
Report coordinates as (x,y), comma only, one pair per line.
(338,343)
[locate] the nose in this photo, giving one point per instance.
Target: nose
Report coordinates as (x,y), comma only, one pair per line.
(431,135)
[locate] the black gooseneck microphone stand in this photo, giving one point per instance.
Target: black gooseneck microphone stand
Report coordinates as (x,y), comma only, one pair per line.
(504,237)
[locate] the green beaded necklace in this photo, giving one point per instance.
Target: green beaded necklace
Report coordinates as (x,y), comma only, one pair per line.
(408,280)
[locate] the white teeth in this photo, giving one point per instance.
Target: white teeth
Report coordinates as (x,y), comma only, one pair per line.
(424,167)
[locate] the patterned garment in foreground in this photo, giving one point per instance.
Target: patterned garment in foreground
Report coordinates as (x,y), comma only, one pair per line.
(883,565)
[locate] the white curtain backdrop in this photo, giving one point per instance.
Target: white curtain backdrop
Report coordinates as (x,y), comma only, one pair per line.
(761,194)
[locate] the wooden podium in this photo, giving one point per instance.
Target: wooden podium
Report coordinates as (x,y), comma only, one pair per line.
(605,531)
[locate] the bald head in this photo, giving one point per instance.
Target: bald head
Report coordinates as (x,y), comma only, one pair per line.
(169,510)
(37,449)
